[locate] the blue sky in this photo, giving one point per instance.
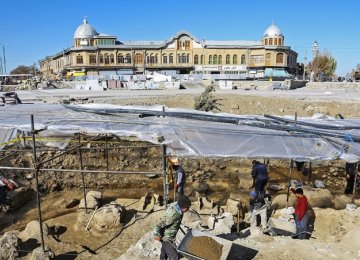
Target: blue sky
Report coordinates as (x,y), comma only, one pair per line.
(33,29)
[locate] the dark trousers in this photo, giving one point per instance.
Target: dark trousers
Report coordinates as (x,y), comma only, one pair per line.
(168,251)
(350,185)
(2,194)
(260,185)
(301,226)
(180,190)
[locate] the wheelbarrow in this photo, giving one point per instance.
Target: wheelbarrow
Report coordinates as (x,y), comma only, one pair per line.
(184,244)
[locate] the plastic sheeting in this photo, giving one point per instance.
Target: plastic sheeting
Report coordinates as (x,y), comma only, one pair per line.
(191,133)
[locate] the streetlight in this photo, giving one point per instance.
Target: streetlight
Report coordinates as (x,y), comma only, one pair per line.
(305,59)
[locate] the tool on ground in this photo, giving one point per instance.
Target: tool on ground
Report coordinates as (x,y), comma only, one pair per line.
(88,224)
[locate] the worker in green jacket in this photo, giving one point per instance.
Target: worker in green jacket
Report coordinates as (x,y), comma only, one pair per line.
(165,231)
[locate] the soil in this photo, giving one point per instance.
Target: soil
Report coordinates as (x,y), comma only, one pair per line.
(205,247)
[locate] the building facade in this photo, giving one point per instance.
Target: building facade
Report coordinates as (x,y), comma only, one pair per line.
(94,53)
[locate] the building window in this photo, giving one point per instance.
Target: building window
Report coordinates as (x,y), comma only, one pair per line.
(196,59)
(280,58)
(280,41)
(275,41)
(202,59)
(171,59)
(268,59)
(112,60)
(92,59)
(210,59)
(227,60)
(128,59)
(266,41)
(256,59)
(243,61)
(270,41)
(187,45)
(120,59)
(164,59)
(107,59)
(150,59)
(179,45)
(101,58)
(79,59)
(220,59)
(215,60)
(235,59)
(156,59)
(139,58)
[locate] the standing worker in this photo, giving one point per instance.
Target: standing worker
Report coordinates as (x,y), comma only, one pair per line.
(258,206)
(180,176)
(260,176)
(165,231)
(301,215)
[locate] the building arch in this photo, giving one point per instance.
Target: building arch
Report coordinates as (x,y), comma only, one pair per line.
(243,59)
(215,59)
(280,58)
(139,58)
(235,59)
(120,58)
(268,59)
(227,59)
(196,59)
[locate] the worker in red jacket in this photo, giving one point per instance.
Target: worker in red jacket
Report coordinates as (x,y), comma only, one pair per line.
(301,216)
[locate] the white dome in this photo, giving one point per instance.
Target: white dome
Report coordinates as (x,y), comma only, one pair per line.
(85,31)
(272,31)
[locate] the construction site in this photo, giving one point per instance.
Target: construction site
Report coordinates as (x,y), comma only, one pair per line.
(90,172)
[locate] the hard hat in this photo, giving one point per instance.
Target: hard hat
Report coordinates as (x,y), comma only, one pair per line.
(174,160)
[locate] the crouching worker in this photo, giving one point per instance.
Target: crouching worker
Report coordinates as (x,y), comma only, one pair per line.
(258,206)
(165,231)
(301,215)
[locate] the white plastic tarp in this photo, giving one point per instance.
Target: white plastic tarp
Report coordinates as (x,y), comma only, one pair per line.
(185,132)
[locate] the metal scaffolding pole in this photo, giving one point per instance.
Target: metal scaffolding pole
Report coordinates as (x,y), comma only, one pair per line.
(165,177)
(36,171)
(82,173)
(73,170)
(289,181)
(355,183)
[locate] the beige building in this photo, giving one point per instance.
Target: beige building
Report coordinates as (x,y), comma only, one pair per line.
(97,53)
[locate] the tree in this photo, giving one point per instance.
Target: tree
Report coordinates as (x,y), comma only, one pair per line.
(22,69)
(206,101)
(324,64)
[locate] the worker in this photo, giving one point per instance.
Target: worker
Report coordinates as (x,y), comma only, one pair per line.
(301,215)
(179,176)
(260,176)
(259,203)
(350,169)
(165,231)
